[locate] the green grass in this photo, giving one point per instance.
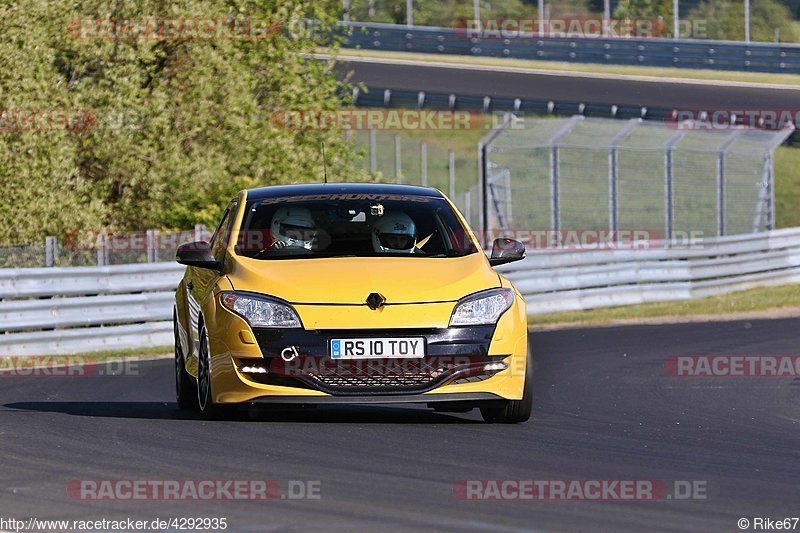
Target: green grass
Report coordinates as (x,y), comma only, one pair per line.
(749,301)
(559,66)
(787,186)
(133,353)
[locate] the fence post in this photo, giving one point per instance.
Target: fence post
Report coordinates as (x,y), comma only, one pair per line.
(468,205)
(451,164)
(669,186)
(613,173)
(483,162)
(151,245)
(555,169)
(541,14)
(481,191)
(102,250)
(373,156)
(771,185)
(723,148)
(50,251)
(423,154)
(676,16)
(398,161)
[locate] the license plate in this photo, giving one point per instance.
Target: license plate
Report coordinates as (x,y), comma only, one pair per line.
(378,348)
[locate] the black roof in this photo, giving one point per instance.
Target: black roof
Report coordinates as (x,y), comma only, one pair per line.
(277,191)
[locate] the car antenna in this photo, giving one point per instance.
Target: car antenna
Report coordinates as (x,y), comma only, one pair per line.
(324,164)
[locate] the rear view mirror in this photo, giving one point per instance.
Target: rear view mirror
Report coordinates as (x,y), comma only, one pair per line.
(197,254)
(506,251)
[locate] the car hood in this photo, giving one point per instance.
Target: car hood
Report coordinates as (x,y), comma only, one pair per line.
(349,280)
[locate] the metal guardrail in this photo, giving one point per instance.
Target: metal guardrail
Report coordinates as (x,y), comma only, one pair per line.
(47,311)
(684,53)
(554,281)
(88,308)
(79,281)
(82,340)
(84,309)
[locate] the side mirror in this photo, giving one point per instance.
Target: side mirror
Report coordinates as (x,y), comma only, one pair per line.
(197,254)
(506,251)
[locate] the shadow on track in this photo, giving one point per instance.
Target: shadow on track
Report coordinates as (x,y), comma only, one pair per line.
(247,413)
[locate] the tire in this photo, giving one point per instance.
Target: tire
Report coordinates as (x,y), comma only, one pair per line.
(514,411)
(185,385)
(205,397)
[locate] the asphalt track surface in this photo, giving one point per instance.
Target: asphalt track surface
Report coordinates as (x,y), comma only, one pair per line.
(552,86)
(604,409)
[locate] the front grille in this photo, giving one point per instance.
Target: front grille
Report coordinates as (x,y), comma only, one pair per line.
(376,375)
(373,383)
(452,354)
(395,376)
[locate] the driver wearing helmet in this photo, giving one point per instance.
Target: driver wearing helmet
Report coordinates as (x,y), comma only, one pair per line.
(293,227)
(394,233)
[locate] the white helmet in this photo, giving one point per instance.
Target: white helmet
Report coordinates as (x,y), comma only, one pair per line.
(394,233)
(293,226)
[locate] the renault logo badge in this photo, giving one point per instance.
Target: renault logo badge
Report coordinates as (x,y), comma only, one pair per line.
(375,300)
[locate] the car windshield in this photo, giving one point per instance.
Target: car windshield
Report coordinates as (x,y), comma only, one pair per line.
(363,225)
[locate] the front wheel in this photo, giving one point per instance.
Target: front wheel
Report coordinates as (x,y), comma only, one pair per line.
(514,411)
(185,387)
(205,398)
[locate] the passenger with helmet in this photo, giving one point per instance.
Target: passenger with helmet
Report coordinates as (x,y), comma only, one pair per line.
(293,227)
(394,233)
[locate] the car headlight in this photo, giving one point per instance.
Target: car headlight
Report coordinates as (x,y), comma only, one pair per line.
(482,308)
(261,311)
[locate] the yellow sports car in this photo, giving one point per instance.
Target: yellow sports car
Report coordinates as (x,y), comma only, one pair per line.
(350,293)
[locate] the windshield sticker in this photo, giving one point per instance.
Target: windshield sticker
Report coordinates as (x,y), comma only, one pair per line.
(350,196)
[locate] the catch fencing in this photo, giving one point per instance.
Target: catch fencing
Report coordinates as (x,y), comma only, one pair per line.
(405,159)
(668,179)
(101,248)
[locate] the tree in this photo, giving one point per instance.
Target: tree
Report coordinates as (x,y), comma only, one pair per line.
(725,20)
(180,122)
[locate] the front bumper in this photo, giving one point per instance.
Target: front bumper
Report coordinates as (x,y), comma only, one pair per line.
(454,364)
(453,355)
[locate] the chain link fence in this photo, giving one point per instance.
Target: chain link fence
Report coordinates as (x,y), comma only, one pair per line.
(101,248)
(406,159)
(669,179)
